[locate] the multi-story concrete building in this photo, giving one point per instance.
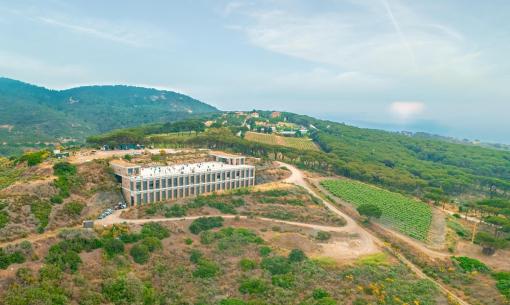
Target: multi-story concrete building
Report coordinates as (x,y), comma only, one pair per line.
(142,185)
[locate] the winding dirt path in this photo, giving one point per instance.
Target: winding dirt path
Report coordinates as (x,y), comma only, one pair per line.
(413,242)
(35,237)
(297,177)
(369,242)
(367,239)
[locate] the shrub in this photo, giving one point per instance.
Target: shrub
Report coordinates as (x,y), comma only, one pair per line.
(66,173)
(223,207)
(188,241)
(154,229)
(238,202)
(205,223)
(73,209)
(296,255)
(360,302)
(264,251)
(78,240)
(176,210)
(34,158)
(319,293)
(470,264)
(247,264)
(130,238)
(207,237)
(91,298)
(50,273)
(125,290)
(25,276)
(231,301)
(140,253)
(112,246)
(198,202)
(57,199)
(275,193)
(503,283)
(6,259)
(252,286)
(195,256)
(283,280)
(276,265)
(41,211)
(63,257)
(44,291)
(370,210)
(234,240)
(323,235)
(206,269)
(64,169)
(152,243)
(154,208)
(326,301)
(4,219)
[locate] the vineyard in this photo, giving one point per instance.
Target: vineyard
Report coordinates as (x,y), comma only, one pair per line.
(405,214)
(272,139)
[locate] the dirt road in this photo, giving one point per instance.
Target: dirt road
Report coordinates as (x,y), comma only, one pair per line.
(367,241)
(35,237)
(297,177)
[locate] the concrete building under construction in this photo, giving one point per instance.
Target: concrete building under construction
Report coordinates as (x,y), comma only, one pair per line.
(143,185)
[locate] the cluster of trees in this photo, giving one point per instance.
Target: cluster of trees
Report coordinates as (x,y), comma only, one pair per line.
(34,157)
(370,211)
(139,135)
(495,213)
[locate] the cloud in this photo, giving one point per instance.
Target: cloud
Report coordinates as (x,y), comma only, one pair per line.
(233,6)
(100,29)
(406,111)
(323,81)
(367,36)
(128,33)
(25,65)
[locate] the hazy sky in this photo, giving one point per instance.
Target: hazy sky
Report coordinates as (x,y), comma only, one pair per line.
(435,65)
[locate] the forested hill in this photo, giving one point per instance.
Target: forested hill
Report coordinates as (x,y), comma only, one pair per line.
(411,162)
(30,114)
(430,168)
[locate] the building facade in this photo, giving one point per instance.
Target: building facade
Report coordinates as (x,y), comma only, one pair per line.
(145,185)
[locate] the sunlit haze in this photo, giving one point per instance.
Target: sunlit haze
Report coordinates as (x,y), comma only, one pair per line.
(435,66)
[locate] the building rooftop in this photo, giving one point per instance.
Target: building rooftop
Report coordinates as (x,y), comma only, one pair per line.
(203,167)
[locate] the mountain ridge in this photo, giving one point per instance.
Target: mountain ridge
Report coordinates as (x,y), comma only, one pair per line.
(31,115)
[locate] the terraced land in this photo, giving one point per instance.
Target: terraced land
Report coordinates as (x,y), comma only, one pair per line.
(272,139)
(405,214)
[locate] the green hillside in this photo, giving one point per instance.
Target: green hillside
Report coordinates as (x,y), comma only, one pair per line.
(411,163)
(432,169)
(30,115)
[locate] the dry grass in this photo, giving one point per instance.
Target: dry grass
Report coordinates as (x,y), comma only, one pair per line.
(272,139)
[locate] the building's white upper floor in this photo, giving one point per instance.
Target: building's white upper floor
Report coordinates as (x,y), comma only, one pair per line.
(186,169)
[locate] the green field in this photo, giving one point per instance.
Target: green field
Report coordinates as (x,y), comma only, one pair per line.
(272,139)
(405,214)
